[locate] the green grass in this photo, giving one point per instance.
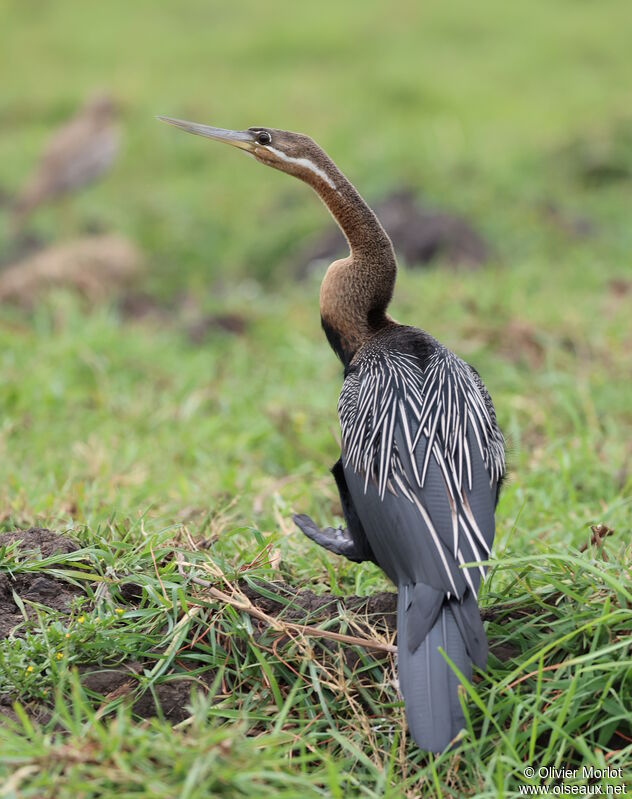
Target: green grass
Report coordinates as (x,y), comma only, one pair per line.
(138,443)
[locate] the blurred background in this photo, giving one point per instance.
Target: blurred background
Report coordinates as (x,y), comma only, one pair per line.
(161,350)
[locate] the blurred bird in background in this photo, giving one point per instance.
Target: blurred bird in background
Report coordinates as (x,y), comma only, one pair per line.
(78,154)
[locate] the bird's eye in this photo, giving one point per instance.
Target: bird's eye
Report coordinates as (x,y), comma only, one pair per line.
(264,137)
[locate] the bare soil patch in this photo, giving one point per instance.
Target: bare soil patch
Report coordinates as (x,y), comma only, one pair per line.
(36,587)
(96,267)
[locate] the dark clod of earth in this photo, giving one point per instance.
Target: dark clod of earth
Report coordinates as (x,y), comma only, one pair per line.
(182,312)
(34,588)
(420,235)
(169,699)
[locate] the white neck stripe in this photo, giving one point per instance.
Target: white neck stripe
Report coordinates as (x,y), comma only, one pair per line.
(303,162)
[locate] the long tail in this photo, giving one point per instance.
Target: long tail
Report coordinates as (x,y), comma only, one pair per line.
(426,620)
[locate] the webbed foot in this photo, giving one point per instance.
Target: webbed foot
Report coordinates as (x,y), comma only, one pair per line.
(338,541)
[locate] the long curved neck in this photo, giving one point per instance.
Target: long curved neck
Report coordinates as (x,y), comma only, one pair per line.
(356,290)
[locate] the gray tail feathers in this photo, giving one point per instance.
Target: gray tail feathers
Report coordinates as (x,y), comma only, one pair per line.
(427,621)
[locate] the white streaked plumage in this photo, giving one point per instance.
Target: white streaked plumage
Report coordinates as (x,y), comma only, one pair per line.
(435,408)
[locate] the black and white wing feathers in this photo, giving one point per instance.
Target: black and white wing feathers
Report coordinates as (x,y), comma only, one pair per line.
(423,458)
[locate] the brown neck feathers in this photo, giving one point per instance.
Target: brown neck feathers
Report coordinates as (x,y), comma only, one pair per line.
(356,290)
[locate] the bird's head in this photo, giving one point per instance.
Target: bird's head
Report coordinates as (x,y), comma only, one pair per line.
(293,153)
(102,105)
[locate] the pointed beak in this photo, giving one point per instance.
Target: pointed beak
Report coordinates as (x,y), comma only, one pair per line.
(243,139)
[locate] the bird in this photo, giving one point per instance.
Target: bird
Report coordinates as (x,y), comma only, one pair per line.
(422,457)
(79,153)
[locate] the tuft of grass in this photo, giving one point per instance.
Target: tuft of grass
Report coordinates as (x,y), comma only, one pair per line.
(276,709)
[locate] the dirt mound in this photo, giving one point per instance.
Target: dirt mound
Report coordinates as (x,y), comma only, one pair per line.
(419,235)
(307,606)
(34,587)
(94,266)
(39,540)
(184,313)
(169,699)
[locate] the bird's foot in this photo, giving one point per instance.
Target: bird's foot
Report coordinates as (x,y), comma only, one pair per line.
(338,541)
